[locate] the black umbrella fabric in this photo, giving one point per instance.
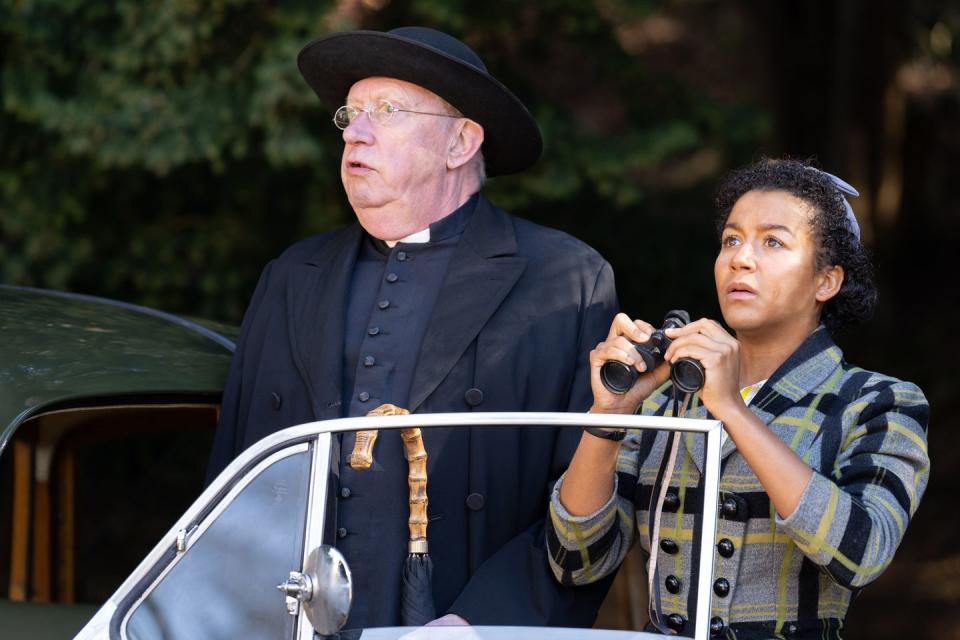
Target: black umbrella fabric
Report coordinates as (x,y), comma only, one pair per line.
(416,594)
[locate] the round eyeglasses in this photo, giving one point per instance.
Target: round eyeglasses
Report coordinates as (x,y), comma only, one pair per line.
(381,113)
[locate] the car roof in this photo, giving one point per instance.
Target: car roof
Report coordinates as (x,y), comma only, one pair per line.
(60,349)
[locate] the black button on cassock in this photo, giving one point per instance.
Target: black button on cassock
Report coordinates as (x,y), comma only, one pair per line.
(475,501)
(276,401)
(342,532)
(373,331)
(729,507)
(672,583)
(669,546)
(725,547)
(671,501)
(383,304)
(392,277)
(364,396)
(716,626)
(345,492)
(369,361)
(721,587)
(402,256)
(473,397)
(676,622)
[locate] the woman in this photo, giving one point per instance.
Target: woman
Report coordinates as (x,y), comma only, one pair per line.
(822,464)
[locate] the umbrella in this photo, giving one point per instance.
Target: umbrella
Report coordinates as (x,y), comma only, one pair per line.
(416,587)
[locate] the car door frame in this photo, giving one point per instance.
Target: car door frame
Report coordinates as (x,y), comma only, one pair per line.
(109,622)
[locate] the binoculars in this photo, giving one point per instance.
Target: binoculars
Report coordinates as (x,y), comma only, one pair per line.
(687,374)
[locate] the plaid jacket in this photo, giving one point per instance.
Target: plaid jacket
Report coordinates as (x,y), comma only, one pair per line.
(864,435)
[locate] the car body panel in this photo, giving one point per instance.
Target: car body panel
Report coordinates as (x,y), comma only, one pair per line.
(62,349)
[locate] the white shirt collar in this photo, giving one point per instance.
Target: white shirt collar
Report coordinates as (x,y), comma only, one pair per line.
(418,237)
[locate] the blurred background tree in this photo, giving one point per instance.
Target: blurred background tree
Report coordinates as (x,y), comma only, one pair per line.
(163,152)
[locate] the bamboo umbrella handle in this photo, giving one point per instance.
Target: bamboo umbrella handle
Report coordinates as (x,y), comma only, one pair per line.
(417,485)
(361,458)
(416,455)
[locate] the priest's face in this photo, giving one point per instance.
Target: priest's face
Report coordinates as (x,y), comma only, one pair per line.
(394,165)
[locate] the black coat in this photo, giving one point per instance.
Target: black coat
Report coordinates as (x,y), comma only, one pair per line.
(517,314)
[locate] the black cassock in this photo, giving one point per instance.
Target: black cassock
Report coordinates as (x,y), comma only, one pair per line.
(518,311)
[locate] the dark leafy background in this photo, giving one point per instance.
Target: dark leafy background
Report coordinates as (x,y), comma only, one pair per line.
(162,152)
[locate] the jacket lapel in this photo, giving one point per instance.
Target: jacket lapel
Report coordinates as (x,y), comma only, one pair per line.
(317,295)
(809,368)
(806,369)
(483,270)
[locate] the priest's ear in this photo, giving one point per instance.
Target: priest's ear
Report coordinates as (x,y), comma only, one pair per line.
(465,143)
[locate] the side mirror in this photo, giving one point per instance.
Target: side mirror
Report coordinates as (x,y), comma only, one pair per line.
(324,589)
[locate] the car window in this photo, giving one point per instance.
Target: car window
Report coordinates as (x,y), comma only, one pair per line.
(206,592)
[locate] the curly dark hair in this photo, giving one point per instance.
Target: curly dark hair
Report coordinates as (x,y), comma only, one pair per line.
(836,243)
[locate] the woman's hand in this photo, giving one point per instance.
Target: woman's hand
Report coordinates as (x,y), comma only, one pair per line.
(719,353)
(588,482)
(618,346)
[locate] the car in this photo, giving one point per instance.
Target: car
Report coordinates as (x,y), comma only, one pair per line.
(89,384)
(107,411)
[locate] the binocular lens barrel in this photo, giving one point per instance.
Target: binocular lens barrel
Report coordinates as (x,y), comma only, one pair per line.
(688,375)
(617,377)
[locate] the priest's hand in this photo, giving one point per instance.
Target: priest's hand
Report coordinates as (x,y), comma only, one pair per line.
(449,620)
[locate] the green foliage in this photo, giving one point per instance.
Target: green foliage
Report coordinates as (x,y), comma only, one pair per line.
(163,152)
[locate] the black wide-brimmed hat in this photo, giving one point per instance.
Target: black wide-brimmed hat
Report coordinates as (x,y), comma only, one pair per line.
(437,62)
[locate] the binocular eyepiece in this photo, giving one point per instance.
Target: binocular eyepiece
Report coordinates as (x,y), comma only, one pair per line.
(687,374)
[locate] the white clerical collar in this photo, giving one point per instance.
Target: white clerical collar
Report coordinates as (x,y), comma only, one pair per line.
(419,237)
